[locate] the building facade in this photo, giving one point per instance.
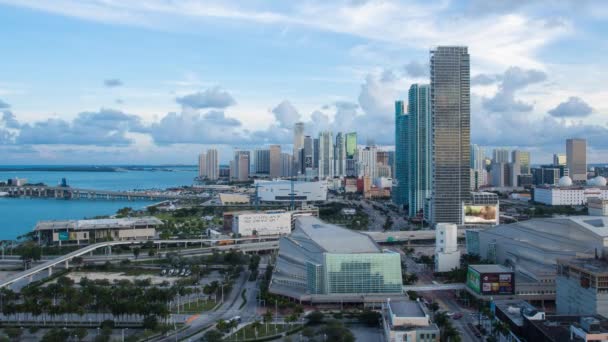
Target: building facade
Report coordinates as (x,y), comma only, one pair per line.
(400,191)
(582,287)
(451,112)
(275,161)
(351,145)
(280,191)
(298,144)
(326,155)
(576,159)
(419,149)
(262,161)
(340,155)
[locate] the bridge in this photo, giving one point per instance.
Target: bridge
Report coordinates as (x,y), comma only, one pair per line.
(44,191)
(262,244)
(434,287)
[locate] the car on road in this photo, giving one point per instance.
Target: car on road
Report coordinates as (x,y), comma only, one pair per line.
(457,315)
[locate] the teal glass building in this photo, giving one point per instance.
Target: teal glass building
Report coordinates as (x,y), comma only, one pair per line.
(419,148)
(321,259)
(400,190)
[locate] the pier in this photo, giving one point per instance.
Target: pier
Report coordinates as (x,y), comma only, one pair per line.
(89,194)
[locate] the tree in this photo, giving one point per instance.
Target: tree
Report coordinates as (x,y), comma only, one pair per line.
(13,333)
(80,333)
(308,332)
(315,317)
(150,322)
(267,316)
(124,212)
(213,336)
(136,251)
(56,335)
(369,317)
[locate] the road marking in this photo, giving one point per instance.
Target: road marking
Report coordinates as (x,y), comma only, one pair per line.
(192,318)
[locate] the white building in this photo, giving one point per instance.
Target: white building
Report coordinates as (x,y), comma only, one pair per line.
(566,194)
(367,162)
(202,165)
(447,255)
(597,206)
(262,223)
(212,165)
(406,320)
(280,191)
(326,155)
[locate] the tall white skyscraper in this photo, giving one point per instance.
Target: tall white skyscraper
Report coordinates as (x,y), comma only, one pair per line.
(500,155)
(202,165)
(212,164)
(326,155)
(367,162)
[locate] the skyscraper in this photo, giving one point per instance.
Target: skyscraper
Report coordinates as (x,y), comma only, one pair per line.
(478,167)
(451,112)
(286,165)
(351,145)
(559,159)
(298,144)
(326,155)
(523,159)
(500,155)
(576,158)
(400,191)
(316,153)
(262,161)
(340,155)
(419,147)
(241,165)
(202,165)
(367,162)
(212,165)
(275,161)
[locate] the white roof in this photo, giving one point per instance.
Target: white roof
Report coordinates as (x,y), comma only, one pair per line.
(116,223)
(335,239)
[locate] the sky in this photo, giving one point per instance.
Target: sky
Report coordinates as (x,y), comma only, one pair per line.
(157,81)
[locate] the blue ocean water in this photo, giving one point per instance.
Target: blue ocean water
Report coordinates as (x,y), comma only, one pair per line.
(19,216)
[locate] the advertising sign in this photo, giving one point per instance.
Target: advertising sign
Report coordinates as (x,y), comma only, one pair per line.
(64,236)
(473,280)
(480,214)
(497,284)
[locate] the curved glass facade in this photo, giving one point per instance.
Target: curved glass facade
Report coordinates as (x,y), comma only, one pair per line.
(362,273)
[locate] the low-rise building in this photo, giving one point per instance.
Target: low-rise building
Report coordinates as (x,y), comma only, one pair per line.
(566,329)
(407,320)
(281,191)
(567,194)
(86,231)
(597,206)
(582,287)
(261,223)
(447,255)
(484,281)
(226,199)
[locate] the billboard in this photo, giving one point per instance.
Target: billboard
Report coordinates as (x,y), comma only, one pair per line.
(64,236)
(480,214)
(473,280)
(497,284)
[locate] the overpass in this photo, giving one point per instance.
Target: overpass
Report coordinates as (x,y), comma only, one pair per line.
(434,287)
(406,235)
(44,191)
(252,246)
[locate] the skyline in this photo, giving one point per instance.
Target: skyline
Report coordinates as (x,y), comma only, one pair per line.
(72,68)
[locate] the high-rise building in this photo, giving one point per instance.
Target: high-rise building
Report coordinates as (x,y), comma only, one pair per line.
(307,154)
(316,153)
(241,165)
(326,155)
(286,165)
(382,157)
(419,153)
(351,145)
(477,157)
(298,144)
(202,165)
(400,191)
(367,162)
(262,161)
(275,161)
(391,162)
(451,113)
(212,165)
(559,159)
(523,159)
(576,158)
(340,155)
(500,155)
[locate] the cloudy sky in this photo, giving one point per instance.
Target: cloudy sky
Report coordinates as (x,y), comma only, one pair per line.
(109,81)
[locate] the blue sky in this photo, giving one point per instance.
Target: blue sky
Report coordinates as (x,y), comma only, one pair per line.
(157,81)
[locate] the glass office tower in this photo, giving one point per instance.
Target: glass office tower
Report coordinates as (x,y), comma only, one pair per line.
(400,190)
(351,145)
(419,147)
(451,111)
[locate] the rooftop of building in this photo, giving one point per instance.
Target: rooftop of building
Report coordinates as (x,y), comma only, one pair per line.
(406,308)
(116,223)
(493,268)
(557,328)
(513,309)
(335,239)
(591,265)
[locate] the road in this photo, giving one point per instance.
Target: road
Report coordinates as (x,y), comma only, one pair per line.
(198,324)
(447,302)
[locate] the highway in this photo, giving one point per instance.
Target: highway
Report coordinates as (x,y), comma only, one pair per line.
(64,259)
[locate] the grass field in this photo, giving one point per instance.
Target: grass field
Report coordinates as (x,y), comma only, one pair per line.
(196,307)
(248,332)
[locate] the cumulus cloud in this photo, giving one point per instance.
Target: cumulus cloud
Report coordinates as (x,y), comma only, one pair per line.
(286,114)
(107,127)
(484,79)
(4,105)
(193,127)
(416,69)
(211,98)
(112,82)
(512,80)
(574,107)
(9,120)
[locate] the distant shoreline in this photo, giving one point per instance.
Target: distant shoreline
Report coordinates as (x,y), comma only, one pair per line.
(84,168)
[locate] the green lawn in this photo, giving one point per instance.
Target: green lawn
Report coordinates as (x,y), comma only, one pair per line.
(248,332)
(196,307)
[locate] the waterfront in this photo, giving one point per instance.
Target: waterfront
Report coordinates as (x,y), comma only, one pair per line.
(18,216)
